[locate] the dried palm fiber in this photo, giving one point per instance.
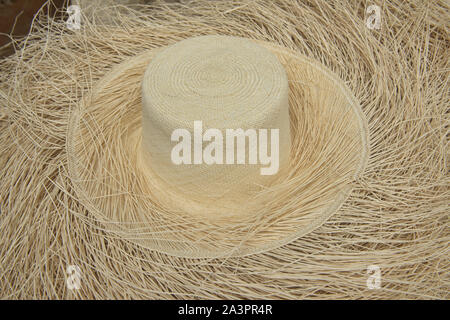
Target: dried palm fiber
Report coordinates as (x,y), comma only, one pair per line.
(395,217)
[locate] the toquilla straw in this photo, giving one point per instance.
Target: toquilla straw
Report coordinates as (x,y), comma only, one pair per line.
(86,182)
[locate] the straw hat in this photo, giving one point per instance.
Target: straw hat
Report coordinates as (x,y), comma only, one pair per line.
(121,147)
(83,200)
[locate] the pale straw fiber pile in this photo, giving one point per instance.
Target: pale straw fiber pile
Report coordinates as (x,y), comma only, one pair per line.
(394,216)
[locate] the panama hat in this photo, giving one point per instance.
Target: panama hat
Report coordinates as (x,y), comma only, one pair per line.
(388,239)
(121,147)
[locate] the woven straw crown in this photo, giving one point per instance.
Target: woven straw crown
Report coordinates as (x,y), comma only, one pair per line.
(226,83)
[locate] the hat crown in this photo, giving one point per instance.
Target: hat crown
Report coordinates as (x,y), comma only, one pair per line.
(222,83)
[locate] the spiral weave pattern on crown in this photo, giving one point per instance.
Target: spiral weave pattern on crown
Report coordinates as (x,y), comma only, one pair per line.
(225,82)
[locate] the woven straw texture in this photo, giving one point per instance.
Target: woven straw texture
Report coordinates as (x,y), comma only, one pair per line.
(227,83)
(395,217)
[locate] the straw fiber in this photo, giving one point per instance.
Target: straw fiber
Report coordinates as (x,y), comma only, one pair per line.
(74,189)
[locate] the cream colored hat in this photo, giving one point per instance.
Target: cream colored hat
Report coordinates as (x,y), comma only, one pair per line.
(121,145)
